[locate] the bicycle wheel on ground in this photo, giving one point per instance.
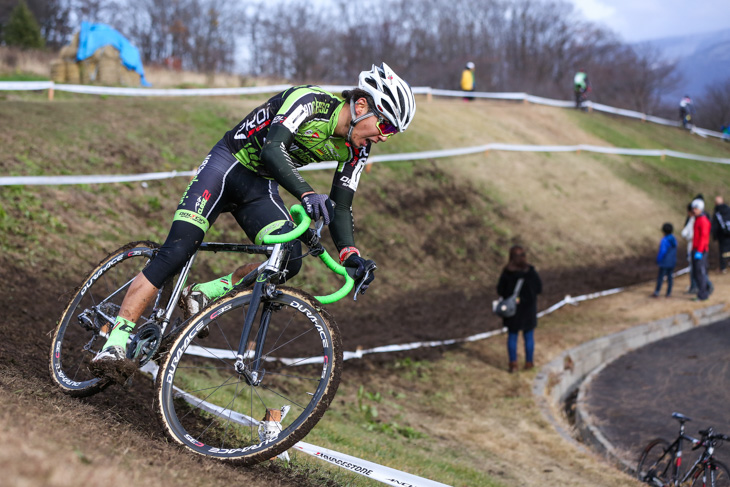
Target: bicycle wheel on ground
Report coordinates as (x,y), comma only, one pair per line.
(715,474)
(208,407)
(83,327)
(655,463)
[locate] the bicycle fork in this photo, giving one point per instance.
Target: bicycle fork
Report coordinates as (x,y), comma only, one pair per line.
(262,288)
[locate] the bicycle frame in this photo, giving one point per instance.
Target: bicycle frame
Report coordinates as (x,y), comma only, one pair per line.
(703,464)
(182,278)
(277,249)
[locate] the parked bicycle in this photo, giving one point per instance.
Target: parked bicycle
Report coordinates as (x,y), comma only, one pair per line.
(660,462)
(245,378)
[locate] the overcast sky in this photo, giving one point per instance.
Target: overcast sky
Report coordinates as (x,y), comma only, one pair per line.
(640,20)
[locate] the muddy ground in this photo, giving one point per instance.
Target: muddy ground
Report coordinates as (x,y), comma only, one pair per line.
(31,305)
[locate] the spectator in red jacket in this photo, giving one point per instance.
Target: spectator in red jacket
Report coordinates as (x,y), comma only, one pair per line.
(700,249)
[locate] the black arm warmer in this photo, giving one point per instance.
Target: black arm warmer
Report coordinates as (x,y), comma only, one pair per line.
(342,227)
(277,162)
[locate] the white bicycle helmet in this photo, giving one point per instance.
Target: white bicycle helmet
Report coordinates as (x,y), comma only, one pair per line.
(392,96)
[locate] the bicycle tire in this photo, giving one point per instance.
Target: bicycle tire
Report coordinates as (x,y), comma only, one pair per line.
(656,462)
(720,475)
(70,361)
(190,387)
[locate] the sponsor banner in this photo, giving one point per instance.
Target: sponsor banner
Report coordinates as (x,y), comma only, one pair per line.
(380,473)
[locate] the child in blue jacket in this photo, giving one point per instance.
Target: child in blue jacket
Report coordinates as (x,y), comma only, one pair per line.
(666,259)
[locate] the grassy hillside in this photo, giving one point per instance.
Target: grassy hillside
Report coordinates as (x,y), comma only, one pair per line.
(439,230)
(569,209)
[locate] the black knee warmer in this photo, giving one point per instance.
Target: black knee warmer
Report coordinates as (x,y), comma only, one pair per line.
(182,242)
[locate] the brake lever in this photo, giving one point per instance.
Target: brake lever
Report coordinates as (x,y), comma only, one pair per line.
(364,278)
(318,225)
(362,281)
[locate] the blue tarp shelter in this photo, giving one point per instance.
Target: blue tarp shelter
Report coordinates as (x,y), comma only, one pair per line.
(95,36)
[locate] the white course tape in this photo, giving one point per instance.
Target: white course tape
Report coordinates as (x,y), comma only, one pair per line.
(419,90)
(408,156)
(538,100)
(97,179)
(25,85)
(347,355)
(371,470)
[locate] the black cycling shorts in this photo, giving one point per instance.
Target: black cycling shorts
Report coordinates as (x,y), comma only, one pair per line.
(222,184)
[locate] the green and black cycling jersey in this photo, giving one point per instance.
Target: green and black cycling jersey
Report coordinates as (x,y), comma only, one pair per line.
(292,129)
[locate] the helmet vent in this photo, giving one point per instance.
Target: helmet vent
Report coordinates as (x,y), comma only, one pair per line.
(388,108)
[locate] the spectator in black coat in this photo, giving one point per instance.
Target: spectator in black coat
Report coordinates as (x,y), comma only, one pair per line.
(525,319)
(721,231)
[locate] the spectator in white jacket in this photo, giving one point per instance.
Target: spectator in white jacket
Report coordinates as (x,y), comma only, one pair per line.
(688,233)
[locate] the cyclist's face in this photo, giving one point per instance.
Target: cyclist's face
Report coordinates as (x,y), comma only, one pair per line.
(366,129)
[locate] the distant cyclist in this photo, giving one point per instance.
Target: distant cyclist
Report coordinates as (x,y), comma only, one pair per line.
(581,86)
(242,175)
(686,112)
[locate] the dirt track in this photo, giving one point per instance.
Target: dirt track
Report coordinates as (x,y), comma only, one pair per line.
(119,420)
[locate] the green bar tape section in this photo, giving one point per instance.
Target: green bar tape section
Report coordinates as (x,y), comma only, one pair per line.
(337,269)
(300,218)
(191,217)
(303,221)
(261,237)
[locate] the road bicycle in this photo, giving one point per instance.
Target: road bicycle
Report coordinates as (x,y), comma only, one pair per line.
(660,462)
(245,378)
(581,97)
(687,123)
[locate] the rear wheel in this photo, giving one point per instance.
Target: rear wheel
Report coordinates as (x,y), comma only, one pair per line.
(655,464)
(211,409)
(83,327)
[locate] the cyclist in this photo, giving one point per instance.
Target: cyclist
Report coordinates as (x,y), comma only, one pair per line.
(243,172)
(686,111)
(581,86)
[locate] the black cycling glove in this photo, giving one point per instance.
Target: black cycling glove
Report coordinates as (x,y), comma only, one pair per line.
(361,269)
(317,206)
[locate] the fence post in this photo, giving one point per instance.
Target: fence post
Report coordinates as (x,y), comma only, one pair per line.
(50,93)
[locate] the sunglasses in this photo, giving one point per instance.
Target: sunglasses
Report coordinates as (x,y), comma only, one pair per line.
(385,128)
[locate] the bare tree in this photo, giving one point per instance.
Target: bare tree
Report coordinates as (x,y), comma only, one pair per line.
(713,108)
(194,31)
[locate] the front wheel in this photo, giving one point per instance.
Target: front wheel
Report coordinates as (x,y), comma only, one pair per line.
(655,464)
(210,408)
(715,474)
(84,325)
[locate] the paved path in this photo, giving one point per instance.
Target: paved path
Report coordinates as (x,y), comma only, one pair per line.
(633,398)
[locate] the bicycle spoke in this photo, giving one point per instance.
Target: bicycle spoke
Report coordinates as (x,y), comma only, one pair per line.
(213,387)
(96,303)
